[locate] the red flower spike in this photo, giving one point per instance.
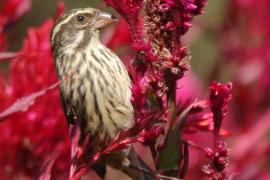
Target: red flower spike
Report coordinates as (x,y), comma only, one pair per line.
(60,9)
(208,170)
(138,94)
(126,7)
(219,156)
(200,6)
(161,51)
(149,136)
(220,95)
(209,152)
(117,41)
(130,10)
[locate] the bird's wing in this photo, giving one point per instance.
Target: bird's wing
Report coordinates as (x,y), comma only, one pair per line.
(69,110)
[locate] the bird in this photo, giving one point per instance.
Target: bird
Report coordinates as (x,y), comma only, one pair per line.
(98,94)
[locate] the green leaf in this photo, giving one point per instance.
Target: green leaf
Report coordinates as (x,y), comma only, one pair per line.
(171,155)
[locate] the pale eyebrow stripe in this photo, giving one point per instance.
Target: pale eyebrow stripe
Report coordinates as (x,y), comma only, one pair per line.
(67,19)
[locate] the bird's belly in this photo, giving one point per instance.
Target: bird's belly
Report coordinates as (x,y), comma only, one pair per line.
(100,94)
(100,111)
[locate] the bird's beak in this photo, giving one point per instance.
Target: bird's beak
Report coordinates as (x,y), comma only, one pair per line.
(103,19)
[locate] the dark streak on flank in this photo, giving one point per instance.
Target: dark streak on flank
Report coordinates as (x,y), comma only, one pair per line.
(102,51)
(101,86)
(110,117)
(111,103)
(67,65)
(109,52)
(71,81)
(106,141)
(84,56)
(108,67)
(102,62)
(120,112)
(120,66)
(64,66)
(79,90)
(97,110)
(114,107)
(99,61)
(85,101)
(104,54)
(98,71)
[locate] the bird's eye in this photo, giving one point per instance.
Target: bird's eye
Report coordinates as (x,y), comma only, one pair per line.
(80,18)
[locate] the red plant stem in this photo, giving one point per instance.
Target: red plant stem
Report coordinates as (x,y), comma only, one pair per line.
(217,116)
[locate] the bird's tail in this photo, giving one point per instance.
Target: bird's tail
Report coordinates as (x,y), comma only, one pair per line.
(137,169)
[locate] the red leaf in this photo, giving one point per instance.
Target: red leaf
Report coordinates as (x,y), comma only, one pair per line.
(7,55)
(25,102)
(74,132)
(45,173)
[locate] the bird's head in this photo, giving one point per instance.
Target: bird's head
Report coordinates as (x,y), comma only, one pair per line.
(77,26)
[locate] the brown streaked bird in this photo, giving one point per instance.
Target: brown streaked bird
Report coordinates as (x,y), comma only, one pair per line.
(98,93)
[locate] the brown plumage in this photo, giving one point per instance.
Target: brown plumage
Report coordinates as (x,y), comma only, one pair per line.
(98,94)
